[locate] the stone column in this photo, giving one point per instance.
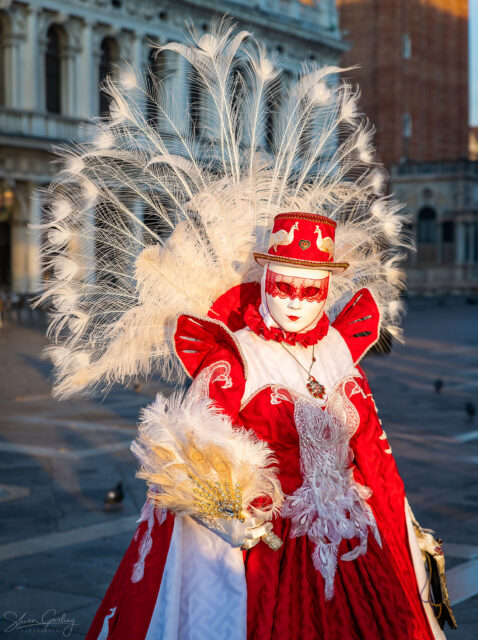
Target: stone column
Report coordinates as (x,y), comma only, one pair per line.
(69,104)
(133,53)
(471,243)
(179,84)
(70,56)
(40,69)
(13,49)
(439,241)
(87,73)
(34,239)
(460,240)
(25,259)
(12,62)
(31,76)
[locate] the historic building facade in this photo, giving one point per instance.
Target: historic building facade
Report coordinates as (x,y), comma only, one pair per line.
(412,58)
(442,198)
(55,53)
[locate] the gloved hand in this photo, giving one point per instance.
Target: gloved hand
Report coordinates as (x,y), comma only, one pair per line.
(237,533)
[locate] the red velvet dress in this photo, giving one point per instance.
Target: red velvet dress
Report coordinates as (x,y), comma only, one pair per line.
(376,594)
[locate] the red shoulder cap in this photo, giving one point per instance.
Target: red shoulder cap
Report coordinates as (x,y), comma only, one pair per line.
(196,338)
(359,324)
(231,306)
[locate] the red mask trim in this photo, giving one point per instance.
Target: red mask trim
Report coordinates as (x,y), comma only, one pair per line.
(293,287)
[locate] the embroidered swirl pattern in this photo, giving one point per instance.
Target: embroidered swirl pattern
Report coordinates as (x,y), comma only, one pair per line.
(217,372)
(330,505)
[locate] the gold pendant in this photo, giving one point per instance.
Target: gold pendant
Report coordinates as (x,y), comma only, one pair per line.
(315,388)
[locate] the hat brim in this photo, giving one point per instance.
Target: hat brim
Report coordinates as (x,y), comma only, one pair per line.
(333,267)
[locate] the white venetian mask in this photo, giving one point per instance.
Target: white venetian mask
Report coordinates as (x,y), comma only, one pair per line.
(293,297)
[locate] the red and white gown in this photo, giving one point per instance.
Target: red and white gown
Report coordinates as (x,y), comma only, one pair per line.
(179,580)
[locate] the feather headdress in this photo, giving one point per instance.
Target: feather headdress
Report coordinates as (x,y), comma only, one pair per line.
(160,215)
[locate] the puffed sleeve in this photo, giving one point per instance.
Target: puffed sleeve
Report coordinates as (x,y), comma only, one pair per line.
(212,356)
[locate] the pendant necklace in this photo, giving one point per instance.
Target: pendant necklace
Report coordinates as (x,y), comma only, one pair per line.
(314,387)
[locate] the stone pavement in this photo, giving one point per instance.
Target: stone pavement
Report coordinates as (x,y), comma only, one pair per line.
(58,547)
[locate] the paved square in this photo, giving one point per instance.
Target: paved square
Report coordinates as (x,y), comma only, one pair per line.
(59,548)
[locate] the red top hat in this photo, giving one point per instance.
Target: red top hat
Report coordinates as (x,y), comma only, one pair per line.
(303,239)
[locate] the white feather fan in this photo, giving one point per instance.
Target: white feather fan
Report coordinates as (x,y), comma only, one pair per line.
(196,463)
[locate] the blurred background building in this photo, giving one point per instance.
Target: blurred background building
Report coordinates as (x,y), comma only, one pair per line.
(55,53)
(413,73)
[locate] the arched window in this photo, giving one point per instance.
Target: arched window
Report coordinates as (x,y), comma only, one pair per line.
(427,225)
(448,232)
(108,56)
(448,242)
(53,70)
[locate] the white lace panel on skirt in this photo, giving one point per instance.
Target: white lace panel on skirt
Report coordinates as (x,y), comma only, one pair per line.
(330,505)
(199,390)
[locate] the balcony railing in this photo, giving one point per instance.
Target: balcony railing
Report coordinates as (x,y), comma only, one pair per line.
(460,166)
(40,126)
(452,279)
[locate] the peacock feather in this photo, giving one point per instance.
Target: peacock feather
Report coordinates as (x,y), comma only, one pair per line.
(154,217)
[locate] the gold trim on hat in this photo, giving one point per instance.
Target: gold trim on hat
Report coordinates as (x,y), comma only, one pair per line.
(308,264)
(298,215)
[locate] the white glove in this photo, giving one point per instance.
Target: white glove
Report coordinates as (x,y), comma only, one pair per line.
(237,533)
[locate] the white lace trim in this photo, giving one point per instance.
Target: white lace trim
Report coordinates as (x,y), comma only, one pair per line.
(330,505)
(147,515)
(219,371)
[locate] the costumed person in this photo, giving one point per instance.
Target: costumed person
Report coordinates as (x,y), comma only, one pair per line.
(262,264)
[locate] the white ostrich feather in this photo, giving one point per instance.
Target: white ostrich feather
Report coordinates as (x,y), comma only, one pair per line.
(104,140)
(128,79)
(57,354)
(364,145)
(350,110)
(395,308)
(75,165)
(321,94)
(59,235)
(391,226)
(379,209)
(394,275)
(395,331)
(150,220)
(182,442)
(90,191)
(61,209)
(65,268)
(77,321)
(376,181)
